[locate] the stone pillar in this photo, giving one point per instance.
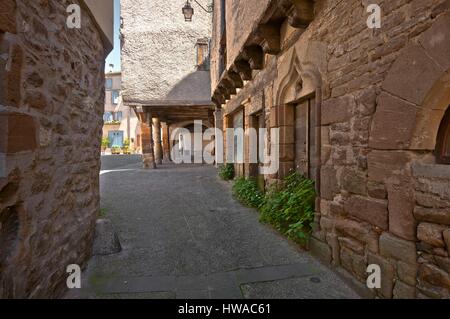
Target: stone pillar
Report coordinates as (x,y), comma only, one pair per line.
(157,138)
(166,142)
(148,156)
(218,122)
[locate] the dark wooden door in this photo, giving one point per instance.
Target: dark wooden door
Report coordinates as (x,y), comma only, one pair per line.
(305,137)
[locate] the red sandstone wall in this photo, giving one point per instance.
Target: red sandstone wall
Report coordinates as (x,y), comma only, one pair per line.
(51,104)
(384,200)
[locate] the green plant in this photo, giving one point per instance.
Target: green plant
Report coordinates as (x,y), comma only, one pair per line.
(116,150)
(289,207)
(105,142)
(102,213)
(113,122)
(126,147)
(248,193)
(226,172)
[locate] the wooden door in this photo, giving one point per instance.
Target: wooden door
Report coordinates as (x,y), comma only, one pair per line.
(305,137)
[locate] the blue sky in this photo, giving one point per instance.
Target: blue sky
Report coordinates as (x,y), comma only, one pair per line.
(114,56)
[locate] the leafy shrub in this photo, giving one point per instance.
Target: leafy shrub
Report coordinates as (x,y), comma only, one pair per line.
(116,150)
(289,207)
(113,122)
(105,142)
(226,172)
(248,193)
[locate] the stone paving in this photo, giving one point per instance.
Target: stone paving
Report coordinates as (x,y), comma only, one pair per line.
(184,236)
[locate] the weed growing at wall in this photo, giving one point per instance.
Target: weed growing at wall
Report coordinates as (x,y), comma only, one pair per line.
(248,193)
(288,206)
(226,172)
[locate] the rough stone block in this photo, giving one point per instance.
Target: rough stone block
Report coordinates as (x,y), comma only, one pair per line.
(430,201)
(18,133)
(10,79)
(337,110)
(337,209)
(320,250)
(434,276)
(8,16)
(393,123)
(376,190)
(386,164)
(431,171)
(431,234)
(401,207)
(404,291)
(106,241)
(435,43)
(352,244)
(407,272)
(367,209)
(359,231)
(412,84)
(434,186)
(333,242)
(387,274)
(397,248)
(354,181)
(443,263)
(329,184)
(432,215)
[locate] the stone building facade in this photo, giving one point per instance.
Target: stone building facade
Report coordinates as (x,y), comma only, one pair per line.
(165,71)
(364,112)
(120,122)
(51,108)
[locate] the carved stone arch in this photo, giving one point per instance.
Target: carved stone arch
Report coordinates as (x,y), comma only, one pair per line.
(415,93)
(301,66)
(287,87)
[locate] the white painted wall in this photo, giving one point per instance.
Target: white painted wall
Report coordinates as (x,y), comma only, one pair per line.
(159,46)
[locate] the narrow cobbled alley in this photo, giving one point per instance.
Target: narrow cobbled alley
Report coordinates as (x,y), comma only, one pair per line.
(184,236)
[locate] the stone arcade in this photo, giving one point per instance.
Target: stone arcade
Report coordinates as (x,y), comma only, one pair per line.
(166,76)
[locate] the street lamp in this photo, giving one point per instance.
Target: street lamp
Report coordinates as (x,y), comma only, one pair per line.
(188,10)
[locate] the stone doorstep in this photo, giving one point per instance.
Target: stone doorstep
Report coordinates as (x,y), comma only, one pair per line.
(227,281)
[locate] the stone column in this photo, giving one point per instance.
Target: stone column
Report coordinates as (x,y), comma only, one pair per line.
(148,156)
(218,122)
(158,144)
(166,142)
